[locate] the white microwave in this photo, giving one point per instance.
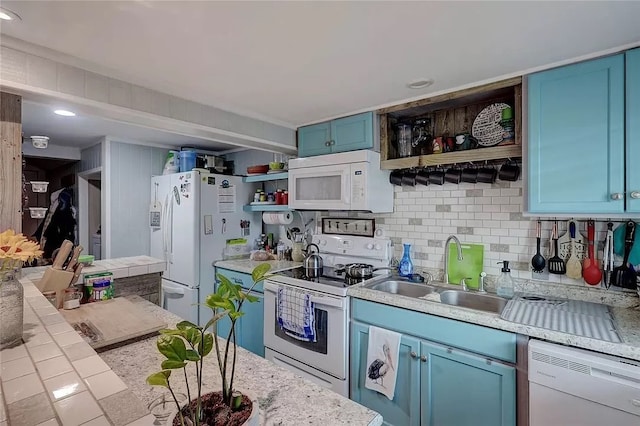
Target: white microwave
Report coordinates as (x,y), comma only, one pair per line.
(344,181)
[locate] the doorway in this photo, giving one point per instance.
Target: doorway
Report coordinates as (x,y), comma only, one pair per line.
(90,221)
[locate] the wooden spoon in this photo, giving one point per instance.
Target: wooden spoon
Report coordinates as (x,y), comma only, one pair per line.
(590,269)
(574,268)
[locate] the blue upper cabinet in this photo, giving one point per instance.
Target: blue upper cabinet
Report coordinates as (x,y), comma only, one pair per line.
(314,140)
(344,134)
(633,130)
(576,138)
(464,389)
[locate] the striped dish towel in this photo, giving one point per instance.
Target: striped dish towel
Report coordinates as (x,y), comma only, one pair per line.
(296,314)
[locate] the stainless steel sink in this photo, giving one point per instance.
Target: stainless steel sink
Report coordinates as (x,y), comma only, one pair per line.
(403,288)
(481,302)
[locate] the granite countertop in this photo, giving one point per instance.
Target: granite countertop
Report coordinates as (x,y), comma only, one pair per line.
(284,398)
(246,265)
(627,320)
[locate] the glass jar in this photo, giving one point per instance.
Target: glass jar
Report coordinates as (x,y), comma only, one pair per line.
(404,140)
(51,297)
(11,300)
(71,298)
(421,139)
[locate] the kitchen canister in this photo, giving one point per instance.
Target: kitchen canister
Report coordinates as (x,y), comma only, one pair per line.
(187,160)
(279,218)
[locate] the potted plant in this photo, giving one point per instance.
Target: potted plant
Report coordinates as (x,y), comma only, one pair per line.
(186,346)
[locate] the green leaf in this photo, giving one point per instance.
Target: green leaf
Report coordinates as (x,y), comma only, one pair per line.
(252,299)
(169,364)
(225,282)
(160,378)
(192,355)
(192,335)
(259,272)
(215,319)
(172,347)
(185,325)
(205,346)
(235,315)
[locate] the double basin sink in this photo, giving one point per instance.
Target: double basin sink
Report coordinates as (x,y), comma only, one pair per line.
(479,301)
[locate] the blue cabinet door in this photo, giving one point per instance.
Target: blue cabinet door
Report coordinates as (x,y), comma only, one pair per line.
(314,140)
(633,130)
(463,389)
(404,410)
(576,138)
(352,133)
(251,326)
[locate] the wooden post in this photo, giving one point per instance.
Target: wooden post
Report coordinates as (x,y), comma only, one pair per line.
(10,162)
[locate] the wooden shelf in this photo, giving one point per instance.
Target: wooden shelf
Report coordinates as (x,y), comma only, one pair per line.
(266,208)
(472,155)
(266,177)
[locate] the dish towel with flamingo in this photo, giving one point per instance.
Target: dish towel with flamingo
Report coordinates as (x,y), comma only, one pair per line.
(382,361)
(295,314)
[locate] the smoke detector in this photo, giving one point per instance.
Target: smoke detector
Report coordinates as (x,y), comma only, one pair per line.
(40,142)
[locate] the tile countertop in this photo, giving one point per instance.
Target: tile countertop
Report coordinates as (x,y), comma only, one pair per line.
(627,320)
(246,265)
(55,377)
(121,267)
(284,398)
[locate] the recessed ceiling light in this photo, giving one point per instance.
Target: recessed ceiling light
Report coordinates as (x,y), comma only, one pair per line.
(420,84)
(8,15)
(65,113)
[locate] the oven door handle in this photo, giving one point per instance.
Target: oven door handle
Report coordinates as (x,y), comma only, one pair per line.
(317,299)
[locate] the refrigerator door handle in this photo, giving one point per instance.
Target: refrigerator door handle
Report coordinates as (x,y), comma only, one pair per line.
(172,290)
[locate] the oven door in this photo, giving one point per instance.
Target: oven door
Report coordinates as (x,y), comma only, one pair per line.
(329,352)
(320,188)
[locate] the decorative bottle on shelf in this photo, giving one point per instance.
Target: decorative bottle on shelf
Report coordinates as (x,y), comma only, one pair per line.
(405,267)
(505,283)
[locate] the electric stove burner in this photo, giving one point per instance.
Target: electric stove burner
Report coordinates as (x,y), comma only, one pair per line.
(328,277)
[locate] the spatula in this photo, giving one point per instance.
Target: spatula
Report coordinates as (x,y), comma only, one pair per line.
(623,276)
(556,264)
(574,268)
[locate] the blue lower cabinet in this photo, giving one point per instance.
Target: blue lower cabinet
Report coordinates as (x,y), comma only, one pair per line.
(462,389)
(404,410)
(438,383)
(249,327)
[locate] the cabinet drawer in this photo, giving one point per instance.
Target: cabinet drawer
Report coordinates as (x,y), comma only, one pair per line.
(241,278)
(493,343)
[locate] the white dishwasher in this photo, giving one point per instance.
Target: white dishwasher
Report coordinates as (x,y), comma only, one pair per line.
(575,387)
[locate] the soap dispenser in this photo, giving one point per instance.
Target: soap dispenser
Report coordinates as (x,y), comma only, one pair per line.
(505,284)
(405,268)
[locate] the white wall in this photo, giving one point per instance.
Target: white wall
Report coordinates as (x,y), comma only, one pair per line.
(127,183)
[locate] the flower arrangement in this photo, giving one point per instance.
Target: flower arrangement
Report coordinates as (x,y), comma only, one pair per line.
(15,249)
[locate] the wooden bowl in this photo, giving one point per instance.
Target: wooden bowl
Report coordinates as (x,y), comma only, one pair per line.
(258,169)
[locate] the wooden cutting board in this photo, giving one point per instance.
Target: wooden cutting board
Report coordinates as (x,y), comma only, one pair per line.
(112,321)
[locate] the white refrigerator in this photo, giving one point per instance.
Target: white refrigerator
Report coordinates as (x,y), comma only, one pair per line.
(192,216)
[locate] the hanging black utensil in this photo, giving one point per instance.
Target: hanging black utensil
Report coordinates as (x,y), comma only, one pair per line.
(538,261)
(624,276)
(556,264)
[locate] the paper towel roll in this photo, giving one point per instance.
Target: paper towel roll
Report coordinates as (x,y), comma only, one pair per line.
(282,218)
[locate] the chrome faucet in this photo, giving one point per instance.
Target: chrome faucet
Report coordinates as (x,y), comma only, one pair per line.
(446,255)
(463,284)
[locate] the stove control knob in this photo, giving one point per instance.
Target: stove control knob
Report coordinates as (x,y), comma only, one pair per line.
(378,247)
(369,246)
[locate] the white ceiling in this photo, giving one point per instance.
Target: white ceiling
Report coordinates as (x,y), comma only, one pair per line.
(299,62)
(82,130)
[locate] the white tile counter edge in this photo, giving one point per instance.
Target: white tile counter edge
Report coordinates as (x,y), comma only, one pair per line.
(38,334)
